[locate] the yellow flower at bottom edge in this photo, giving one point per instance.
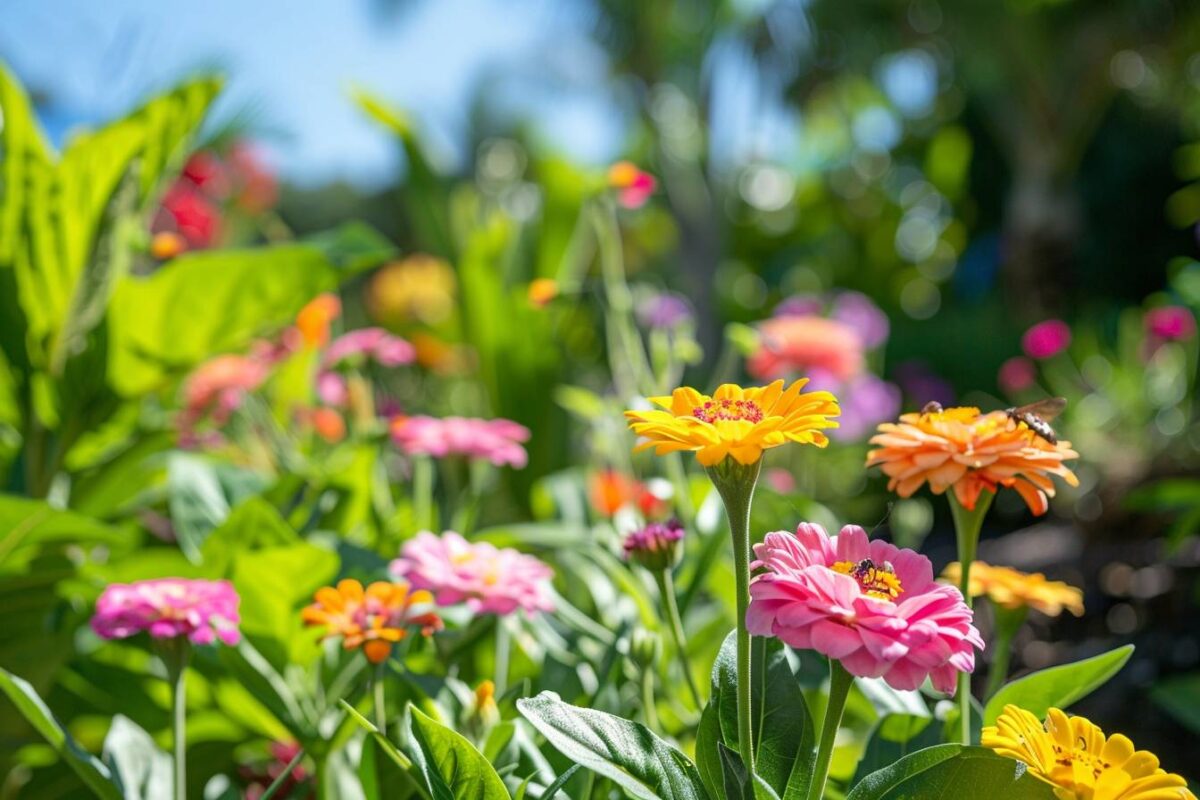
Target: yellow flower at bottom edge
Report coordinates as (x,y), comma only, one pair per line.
(1074,756)
(1013,589)
(735,422)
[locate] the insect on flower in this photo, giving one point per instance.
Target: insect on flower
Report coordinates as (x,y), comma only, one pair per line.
(1037,416)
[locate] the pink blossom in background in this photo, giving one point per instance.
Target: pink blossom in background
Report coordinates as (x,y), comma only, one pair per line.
(800,305)
(780,480)
(203,611)
(866,401)
(791,345)
(1171,323)
(218,387)
(1046,339)
(634,186)
(860,313)
(489,580)
(496,440)
(1016,375)
(369,344)
(891,621)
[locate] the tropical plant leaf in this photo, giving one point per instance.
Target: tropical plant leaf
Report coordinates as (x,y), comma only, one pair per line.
(453,769)
(627,753)
(1057,687)
(949,772)
(28,527)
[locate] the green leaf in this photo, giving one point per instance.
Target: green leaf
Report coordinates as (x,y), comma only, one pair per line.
(200,494)
(204,303)
(627,753)
(273,583)
(1057,687)
(91,770)
(28,527)
(786,743)
(902,715)
(708,747)
(145,771)
(453,769)
(1179,696)
(951,772)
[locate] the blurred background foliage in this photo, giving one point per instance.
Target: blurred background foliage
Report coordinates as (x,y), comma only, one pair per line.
(969,170)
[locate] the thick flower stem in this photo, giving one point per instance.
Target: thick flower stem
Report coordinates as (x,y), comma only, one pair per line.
(840,682)
(967,525)
(175,654)
(666,588)
(503,650)
(1008,622)
(735,482)
(648,709)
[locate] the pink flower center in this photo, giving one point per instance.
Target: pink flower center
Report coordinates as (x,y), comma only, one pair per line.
(876,580)
(730,410)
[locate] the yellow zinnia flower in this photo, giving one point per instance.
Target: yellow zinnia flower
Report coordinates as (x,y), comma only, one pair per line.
(735,422)
(1074,756)
(1014,589)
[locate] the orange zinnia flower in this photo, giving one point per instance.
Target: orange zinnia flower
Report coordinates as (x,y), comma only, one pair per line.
(1014,589)
(373,619)
(314,319)
(968,451)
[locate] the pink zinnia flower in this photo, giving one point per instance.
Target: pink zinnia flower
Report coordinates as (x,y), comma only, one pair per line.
(165,608)
(358,347)
(218,386)
(1017,374)
(868,604)
(796,344)
(1046,339)
(497,440)
(489,580)
(1171,323)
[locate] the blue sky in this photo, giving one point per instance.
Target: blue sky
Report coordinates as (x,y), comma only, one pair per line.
(291,62)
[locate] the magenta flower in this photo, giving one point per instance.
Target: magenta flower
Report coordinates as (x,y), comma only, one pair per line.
(369,344)
(655,546)
(1017,374)
(166,608)
(489,580)
(1171,323)
(868,604)
(496,440)
(1046,339)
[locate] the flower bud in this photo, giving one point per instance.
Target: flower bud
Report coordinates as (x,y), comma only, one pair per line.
(656,546)
(645,648)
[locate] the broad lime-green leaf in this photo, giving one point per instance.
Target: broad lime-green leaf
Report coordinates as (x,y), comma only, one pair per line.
(29,526)
(451,766)
(645,766)
(952,772)
(1057,687)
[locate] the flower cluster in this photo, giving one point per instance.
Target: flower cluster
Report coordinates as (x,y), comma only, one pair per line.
(356,349)
(869,604)
(1013,589)
(968,451)
(166,608)
(828,339)
(496,440)
(488,579)
(736,422)
(373,619)
(1079,761)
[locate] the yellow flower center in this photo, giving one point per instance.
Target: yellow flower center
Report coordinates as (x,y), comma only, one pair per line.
(730,410)
(877,581)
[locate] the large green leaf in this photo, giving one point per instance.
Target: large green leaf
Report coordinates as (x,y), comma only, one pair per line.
(91,770)
(205,303)
(200,494)
(28,527)
(273,583)
(951,772)
(145,771)
(786,745)
(451,766)
(627,753)
(1057,687)
(902,715)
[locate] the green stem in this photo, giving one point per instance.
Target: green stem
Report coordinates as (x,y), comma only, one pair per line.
(840,682)
(1008,622)
(503,651)
(281,779)
(967,525)
(175,657)
(666,588)
(380,705)
(423,492)
(648,708)
(736,482)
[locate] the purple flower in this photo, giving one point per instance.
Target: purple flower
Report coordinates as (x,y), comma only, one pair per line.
(866,401)
(1046,339)
(664,310)
(800,305)
(859,312)
(655,546)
